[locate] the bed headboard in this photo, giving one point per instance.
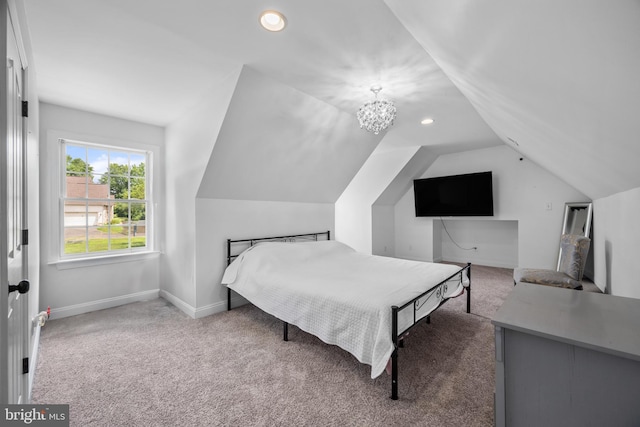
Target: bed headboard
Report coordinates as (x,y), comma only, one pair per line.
(235,247)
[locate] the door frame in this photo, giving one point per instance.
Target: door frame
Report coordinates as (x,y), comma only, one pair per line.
(9,10)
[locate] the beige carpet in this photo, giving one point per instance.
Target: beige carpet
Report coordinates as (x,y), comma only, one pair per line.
(147,364)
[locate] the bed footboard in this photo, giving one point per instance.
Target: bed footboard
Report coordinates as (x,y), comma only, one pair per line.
(397,335)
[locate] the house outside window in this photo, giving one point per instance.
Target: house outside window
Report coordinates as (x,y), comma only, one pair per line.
(105,200)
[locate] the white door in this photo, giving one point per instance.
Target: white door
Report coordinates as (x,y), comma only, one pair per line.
(13,181)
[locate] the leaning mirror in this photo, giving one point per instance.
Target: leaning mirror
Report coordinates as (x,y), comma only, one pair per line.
(577,220)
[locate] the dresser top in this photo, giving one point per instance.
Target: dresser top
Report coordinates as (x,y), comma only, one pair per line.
(596,321)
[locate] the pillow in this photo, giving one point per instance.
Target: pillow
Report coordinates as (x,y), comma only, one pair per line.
(284,252)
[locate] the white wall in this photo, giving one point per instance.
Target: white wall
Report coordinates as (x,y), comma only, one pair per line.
(218,220)
(414,237)
(521,192)
(353,208)
(616,230)
(189,144)
(495,241)
(280,178)
(383,230)
(74,288)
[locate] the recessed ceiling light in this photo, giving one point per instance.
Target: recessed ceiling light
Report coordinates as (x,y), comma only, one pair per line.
(272,20)
(427,121)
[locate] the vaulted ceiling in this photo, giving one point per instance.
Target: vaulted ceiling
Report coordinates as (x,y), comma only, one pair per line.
(556,81)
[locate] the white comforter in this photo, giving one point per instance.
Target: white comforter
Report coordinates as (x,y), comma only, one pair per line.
(337,294)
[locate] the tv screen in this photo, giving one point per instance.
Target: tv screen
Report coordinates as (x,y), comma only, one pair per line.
(456,195)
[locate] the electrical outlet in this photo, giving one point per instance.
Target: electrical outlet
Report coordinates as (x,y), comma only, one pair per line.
(548,206)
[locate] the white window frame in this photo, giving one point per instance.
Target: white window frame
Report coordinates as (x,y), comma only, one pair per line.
(57,167)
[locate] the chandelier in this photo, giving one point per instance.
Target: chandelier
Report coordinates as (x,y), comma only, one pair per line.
(377,115)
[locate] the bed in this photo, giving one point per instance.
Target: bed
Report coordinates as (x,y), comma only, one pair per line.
(365,304)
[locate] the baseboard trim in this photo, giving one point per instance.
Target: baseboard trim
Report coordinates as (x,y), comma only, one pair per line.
(219,307)
(484,262)
(186,308)
(207,310)
(87,307)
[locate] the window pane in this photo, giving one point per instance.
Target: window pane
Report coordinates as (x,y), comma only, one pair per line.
(139,226)
(76,185)
(120,213)
(119,231)
(138,164)
(98,191)
(99,179)
(98,159)
(75,214)
(119,186)
(98,213)
(98,239)
(120,237)
(75,240)
(76,159)
(118,163)
(137,189)
(138,212)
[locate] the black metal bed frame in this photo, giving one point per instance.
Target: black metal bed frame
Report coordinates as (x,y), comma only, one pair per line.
(439,290)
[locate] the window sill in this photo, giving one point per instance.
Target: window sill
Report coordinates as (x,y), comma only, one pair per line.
(65,264)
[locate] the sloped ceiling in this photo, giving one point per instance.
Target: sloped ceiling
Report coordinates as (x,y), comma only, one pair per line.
(280,144)
(403,182)
(151,60)
(102,57)
(558,81)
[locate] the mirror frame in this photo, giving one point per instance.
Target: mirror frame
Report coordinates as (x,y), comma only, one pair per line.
(565,222)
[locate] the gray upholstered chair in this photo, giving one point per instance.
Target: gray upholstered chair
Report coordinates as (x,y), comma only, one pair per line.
(573,256)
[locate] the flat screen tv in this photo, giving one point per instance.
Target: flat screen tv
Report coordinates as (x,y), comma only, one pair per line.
(455,195)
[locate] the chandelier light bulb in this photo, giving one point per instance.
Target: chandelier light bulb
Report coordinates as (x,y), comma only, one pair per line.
(377,115)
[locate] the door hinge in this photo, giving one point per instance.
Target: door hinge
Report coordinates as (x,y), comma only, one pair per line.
(25,108)
(25,237)
(25,365)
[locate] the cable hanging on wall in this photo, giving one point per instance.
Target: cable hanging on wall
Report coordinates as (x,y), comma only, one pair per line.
(454,242)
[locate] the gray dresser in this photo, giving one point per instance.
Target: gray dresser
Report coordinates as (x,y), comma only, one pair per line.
(567,358)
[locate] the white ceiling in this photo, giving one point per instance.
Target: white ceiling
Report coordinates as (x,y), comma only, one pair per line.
(151,60)
(295,159)
(558,78)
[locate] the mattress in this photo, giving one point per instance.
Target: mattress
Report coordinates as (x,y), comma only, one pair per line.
(341,296)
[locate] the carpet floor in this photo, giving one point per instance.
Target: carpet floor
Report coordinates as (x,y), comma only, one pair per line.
(148,364)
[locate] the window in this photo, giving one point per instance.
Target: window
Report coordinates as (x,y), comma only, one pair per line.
(105,200)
